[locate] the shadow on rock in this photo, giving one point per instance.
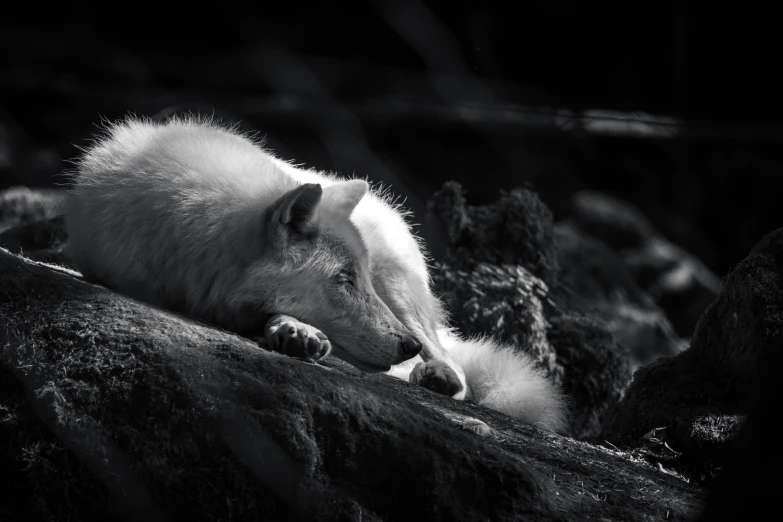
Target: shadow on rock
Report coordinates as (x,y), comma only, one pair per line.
(114,409)
(678,281)
(700,397)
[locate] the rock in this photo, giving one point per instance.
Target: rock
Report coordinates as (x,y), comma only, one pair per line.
(647,334)
(596,371)
(746,321)
(505,301)
(42,240)
(490,289)
(618,224)
(704,393)
(745,491)
(115,409)
(678,282)
(594,279)
(20,205)
(686,411)
(592,272)
(514,230)
(513,306)
(666,392)
(450,205)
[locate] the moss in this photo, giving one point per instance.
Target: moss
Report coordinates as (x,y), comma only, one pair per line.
(702,394)
(513,306)
(597,371)
(43,478)
(745,322)
(502,266)
(514,230)
(157,416)
(151,405)
(504,301)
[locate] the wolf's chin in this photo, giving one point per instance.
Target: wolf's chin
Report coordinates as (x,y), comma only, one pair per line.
(358,363)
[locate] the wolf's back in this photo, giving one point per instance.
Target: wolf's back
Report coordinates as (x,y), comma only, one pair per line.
(180,199)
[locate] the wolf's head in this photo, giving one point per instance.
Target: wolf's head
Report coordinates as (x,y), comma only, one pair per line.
(315,267)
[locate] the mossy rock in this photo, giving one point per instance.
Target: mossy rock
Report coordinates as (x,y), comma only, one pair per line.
(514,230)
(703,394)
(118,409)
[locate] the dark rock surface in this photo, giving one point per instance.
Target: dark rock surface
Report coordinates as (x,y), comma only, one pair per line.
(41,240)
(590,327)
(678,281)
(578,351)
(749,489)
(596,371)
(115,409)
(594,278)
(702,395)
(618,224)
(746,321)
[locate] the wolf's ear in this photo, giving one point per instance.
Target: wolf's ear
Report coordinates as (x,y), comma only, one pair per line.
(343,196)
(297,209)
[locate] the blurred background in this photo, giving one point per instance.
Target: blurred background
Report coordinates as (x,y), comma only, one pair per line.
(673,109)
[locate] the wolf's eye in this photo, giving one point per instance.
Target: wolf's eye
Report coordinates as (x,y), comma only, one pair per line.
(344,277)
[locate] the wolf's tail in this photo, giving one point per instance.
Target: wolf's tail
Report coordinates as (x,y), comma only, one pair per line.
(506,380)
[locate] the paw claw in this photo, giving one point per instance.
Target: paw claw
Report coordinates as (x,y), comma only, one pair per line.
(325,348)
(313,345)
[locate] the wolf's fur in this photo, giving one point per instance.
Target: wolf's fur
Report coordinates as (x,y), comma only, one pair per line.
(178,215)
(506,380)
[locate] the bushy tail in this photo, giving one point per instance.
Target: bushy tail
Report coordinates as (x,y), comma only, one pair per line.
(503,379)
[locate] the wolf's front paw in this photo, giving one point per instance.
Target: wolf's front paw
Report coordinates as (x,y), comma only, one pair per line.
(437,376)
(296,339)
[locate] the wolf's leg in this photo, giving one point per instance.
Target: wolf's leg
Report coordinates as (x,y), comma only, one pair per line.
(420,311)
(288,336)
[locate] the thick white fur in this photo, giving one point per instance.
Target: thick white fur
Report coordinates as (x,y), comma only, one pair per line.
(121,208)
(506,380)
(501,378)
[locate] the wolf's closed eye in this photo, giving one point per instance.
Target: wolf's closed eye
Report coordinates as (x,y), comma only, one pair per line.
(345,276)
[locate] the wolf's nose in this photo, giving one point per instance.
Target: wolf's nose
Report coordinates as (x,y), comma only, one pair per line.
(410,345)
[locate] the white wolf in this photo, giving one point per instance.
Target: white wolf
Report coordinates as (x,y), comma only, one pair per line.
(196,217)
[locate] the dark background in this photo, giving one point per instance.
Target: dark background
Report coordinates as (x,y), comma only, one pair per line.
(414,93)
